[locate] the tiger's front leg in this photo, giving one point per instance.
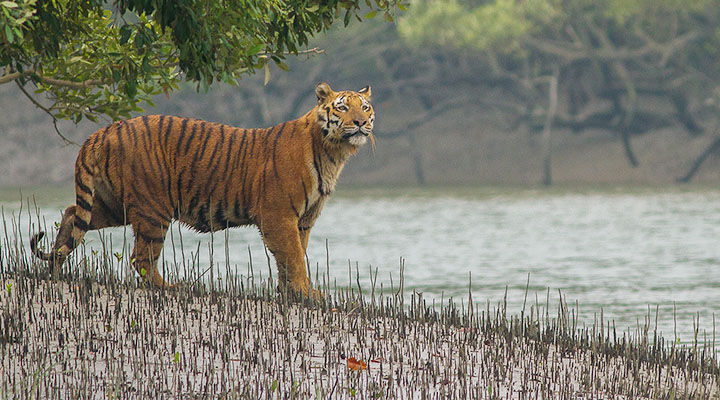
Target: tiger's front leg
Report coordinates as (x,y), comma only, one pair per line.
(282,237)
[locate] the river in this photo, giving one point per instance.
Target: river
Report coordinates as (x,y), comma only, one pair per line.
(625,252)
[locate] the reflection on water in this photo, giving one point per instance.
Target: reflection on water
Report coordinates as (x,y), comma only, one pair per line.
(625,251)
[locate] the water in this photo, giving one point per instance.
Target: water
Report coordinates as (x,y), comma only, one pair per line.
(627,252)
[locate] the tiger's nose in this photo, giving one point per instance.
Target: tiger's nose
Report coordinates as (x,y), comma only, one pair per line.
(360,122)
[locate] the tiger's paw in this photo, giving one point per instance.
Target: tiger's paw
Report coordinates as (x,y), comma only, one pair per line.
(301,290)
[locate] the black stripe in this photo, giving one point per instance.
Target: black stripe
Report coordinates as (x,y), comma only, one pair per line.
(202,221)
(263,187)
(245,167)
(277,137)
(179,192)
(146,134)
(82,186)
(297,213)
(220,214)
(215,164)
(158,223)
(149,199)
(319,176)
(118,133)
(115,218)
(201,151)
(167,130)
(241,148)
(218,145)
(149,239)
(190,138)
(85,166)
(193,203)
(84,204)
(82,225)
(230,154)
(183,129)
(146,123)
(107,168)
(305,192)
(132,134)
(164,175)
(239,215)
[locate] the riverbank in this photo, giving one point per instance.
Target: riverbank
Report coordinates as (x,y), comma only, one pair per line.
(92,335)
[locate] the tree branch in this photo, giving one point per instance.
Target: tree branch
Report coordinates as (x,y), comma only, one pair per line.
(14,76)
(9,77)
(712,148)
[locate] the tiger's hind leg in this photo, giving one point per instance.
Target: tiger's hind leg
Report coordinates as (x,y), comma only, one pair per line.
(101,216)
(149,239)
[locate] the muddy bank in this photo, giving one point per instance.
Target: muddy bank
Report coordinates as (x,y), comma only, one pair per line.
(93,335)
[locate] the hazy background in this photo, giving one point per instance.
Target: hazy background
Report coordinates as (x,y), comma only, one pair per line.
(443,117)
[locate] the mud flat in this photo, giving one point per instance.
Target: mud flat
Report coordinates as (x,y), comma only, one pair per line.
(95,335)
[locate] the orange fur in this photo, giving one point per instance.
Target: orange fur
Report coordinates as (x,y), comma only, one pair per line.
(150,170)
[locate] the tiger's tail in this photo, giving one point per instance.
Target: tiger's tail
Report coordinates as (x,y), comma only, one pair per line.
(63,239)
(37,251)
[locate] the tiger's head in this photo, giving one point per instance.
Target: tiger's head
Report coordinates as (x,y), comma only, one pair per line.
(346,116)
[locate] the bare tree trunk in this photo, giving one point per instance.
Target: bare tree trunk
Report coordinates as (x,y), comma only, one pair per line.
(416,153)
(714,147)
(680,102)
(547,129)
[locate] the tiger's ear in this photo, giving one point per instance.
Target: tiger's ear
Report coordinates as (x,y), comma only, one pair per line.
(323,91)
(366,91)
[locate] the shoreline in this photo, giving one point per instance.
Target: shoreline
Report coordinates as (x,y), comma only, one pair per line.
(90,336)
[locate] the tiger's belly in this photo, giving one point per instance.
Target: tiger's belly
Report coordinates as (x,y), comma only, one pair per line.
(202,222)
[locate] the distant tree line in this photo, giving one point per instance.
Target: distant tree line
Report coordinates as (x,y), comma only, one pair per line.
(585,64)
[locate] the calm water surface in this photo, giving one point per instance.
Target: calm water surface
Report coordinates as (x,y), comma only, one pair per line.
(623,251)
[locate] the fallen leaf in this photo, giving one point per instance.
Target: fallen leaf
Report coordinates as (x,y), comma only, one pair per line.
(355,364)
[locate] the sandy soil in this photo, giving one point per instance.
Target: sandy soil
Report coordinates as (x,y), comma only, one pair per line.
(78,339)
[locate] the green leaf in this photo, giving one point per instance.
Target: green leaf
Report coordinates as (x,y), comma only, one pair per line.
(371,14)
(255,49)
(282,66)
(267,73)
(177,358)
(143,272)
(125,32)
(8,33)
(9,4)
(313,8)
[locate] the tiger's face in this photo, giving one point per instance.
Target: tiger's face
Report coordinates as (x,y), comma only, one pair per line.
(345,117)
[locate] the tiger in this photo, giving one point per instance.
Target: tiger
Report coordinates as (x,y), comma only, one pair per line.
(151,170)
